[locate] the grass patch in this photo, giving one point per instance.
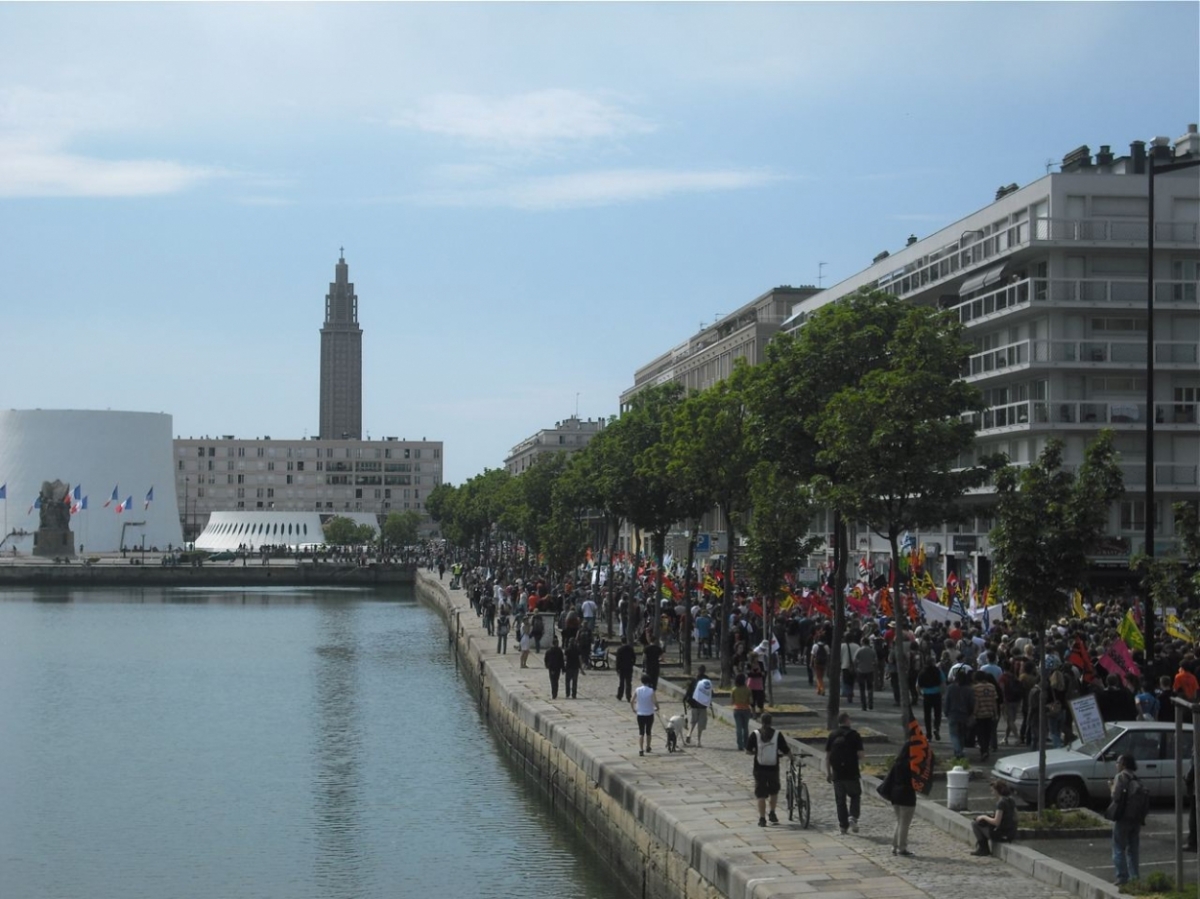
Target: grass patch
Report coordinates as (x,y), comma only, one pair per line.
(786,707)
(1159,886)
(1053,819)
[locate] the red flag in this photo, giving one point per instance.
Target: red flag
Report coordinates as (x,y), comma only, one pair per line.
(885,604)
(1080,658)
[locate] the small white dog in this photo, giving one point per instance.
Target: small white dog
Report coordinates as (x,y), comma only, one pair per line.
(676,726)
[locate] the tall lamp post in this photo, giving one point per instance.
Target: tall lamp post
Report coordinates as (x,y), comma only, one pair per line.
(186,490)
(1151,171)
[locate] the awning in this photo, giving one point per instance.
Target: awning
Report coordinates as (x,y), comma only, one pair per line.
(982,279)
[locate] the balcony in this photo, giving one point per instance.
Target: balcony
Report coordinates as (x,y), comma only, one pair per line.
(1113,230)
(1124,294)
(1166,474)
(1077,352)
(1090,413)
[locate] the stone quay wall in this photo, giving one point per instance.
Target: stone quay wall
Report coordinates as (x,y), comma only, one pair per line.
(645,848)
(277,574)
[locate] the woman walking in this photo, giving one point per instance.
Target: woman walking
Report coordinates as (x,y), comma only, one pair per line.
(897,788)
(739,698)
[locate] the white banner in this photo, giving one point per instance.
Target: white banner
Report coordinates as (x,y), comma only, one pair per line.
(935,611)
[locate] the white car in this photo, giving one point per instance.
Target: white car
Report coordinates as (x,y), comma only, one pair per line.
(1080,774)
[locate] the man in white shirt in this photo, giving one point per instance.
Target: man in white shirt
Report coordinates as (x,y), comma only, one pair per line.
(699,700)
(849,651)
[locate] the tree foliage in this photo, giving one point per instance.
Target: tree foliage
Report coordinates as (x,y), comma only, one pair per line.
(1047,521)
(402,528)
(341,531)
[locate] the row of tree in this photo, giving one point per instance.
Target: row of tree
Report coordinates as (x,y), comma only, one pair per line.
(863,413)
(400,529)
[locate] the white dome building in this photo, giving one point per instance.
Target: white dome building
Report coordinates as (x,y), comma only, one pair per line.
(250,530)
(99,452)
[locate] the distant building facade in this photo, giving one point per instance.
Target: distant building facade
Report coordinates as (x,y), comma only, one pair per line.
(708,356)
(333,477)
(565,437)
(341,360)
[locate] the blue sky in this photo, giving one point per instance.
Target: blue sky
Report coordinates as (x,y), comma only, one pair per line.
(534,199)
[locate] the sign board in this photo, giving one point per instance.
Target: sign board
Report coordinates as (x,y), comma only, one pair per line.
(964,543)
(1087,718)
(809,577)
(704,543)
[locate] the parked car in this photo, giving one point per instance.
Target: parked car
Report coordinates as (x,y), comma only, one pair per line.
(1080,774)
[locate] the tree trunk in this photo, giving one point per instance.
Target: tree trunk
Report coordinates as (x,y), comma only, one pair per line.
(727,604)
(612,580)
(834,696)
(901,643)
(686,637)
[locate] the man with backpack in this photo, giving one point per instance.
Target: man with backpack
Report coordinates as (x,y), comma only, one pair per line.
(1127,811)
(766,745)
(843,752)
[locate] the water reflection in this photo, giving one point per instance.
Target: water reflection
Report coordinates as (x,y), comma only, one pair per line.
(337,749)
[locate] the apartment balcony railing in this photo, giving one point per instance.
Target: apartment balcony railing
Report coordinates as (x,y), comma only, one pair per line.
(1071,352)
(1056,412)
(1024,293)
(951,258)
(1123,230)
(1166,474)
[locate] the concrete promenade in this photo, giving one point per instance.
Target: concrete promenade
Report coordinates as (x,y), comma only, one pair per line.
(700,801)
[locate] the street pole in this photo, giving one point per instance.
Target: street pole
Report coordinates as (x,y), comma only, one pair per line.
(1148,548)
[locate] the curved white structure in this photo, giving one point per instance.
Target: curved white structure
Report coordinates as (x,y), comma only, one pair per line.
(250,530)
(96,451)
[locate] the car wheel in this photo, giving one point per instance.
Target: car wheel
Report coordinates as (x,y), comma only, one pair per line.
(1067,793)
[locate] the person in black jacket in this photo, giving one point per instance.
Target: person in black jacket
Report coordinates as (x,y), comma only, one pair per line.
(555,662)
(626,657)
(897,788)
(574,654)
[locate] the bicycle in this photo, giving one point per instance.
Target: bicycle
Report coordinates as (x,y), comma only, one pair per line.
(798,804)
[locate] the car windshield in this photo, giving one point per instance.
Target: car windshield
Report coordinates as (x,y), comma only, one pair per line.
(1093,747)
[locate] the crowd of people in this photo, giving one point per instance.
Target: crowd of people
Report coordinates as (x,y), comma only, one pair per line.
(975,682)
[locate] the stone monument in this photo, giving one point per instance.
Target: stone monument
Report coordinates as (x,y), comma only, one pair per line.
(53,538)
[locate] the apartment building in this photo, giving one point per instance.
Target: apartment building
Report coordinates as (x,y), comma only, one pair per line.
(1052,282)
(565,437)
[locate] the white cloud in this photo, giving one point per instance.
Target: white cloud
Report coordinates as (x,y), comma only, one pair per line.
(600,188)
(524,121)
(30,168)
(36,128)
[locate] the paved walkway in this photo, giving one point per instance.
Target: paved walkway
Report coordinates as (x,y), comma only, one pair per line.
(711,788)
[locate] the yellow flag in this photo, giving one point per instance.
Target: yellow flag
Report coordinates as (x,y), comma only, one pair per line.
(1129,632)
(1077,605)
(1176,629)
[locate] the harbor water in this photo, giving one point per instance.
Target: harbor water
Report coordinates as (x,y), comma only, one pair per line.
(266,743)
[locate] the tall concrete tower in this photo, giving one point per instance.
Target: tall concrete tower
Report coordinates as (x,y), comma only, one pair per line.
(341,360)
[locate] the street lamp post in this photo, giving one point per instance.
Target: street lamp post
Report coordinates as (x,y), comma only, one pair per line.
(1151,171)
(186,485)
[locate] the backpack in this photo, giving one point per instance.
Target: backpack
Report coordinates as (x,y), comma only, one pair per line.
(767,752)
(1137,802)
(1058,680)
(820,654)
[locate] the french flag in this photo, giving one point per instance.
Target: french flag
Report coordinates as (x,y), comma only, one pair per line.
(149,497)
(112,499)
(37,504)
(83,505)
(76,499)
(125,506)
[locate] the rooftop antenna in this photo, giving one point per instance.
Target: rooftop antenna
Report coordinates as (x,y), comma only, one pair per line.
(821,273)
(576,403)
(1050,163)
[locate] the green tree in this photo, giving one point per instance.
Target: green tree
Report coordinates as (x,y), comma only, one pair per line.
(1172,579)
(1047,521)
(528,501)
(777,531)
(892,447)
(711,461)
(341,531)
(818,373)
(402,528)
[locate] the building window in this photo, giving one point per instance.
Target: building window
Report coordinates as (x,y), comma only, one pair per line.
(1133,515)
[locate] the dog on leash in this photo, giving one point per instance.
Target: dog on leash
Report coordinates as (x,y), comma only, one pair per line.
(676,726)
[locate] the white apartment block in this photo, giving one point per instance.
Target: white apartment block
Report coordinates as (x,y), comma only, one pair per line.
(565,437)
(228,474)
(1051,282)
